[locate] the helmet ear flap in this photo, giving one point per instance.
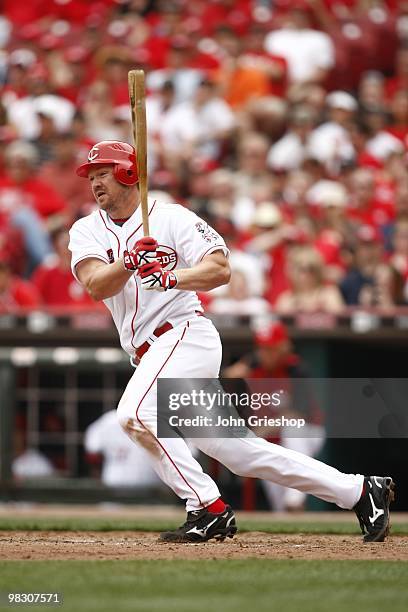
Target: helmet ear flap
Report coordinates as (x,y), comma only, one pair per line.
(126,176)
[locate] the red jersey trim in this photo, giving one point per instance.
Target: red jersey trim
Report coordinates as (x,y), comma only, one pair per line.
(217,247)
(82,258)
(134,316)
(157,440)
(111,231)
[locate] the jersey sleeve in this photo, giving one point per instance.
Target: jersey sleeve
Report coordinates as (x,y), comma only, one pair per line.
(83,245)
(93,438)
(194,238)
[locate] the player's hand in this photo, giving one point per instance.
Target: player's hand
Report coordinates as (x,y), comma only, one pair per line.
(144,252)
(154,277)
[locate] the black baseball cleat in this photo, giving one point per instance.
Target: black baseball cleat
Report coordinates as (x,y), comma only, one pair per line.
(372,509)
(203,525)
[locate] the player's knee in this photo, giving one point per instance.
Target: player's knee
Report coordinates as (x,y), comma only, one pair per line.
(123,414)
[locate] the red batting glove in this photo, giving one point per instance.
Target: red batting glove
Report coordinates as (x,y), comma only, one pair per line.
(154,277)
(144,252)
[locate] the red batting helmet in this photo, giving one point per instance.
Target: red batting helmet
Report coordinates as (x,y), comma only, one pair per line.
(120,154)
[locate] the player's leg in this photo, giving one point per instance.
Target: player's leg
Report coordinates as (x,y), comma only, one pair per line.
(257,458)
(370,497)
(173,355)
(137,414)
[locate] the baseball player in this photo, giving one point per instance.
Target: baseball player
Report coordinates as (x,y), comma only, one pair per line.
(149,284)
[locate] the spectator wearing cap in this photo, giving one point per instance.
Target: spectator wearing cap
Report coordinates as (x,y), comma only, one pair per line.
(368,254)
(290,151)
(269,241)
(334,229)
(309,291)
(309,52)
(330,143)
(15,293)
(197,127)
(275,361)
(54,281)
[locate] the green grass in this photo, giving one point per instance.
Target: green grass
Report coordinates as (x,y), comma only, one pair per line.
(225,585)
(103,524)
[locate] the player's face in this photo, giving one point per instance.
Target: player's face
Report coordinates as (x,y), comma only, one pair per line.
(107,192)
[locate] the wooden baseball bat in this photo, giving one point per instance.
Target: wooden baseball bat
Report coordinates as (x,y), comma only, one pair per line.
(137,96)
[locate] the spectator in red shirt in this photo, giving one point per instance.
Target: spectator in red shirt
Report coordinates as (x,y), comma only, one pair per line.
(21,177)
(269,243)
(399,82)
(334,228)
(365,208)
(54,280)
(60,175)
(15,293)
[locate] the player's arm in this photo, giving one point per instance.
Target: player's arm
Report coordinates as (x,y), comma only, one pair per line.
(212,271)
(100,279)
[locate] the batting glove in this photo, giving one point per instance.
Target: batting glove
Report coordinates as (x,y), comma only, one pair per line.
(144,252)
(154,277)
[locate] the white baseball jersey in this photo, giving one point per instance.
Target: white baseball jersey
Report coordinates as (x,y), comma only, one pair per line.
(184,240)
(124,463)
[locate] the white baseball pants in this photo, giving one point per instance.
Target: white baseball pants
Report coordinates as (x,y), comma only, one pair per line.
(193,350)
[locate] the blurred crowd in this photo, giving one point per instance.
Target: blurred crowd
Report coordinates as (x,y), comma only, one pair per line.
(283,123)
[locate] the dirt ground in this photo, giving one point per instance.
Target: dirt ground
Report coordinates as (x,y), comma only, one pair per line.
(23,545)
(20,545)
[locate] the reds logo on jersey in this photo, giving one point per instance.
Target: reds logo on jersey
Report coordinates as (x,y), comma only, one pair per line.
(167,257)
